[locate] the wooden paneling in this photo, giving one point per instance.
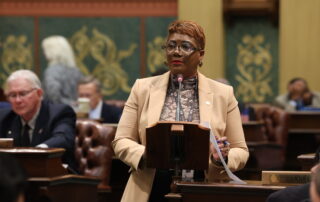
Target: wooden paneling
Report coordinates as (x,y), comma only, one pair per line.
(89,7)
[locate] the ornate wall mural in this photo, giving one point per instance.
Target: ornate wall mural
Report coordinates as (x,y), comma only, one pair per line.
(109,48)
(156,33)
(108,58)
(252,64)
(156,56)
(16,45)
(16,54)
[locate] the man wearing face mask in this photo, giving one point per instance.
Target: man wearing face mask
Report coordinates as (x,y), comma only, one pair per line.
(201,100)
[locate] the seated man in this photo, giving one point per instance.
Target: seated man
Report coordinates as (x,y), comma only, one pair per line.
(298,193)
(315,185)
(90,88)
(298,96)
(33,122)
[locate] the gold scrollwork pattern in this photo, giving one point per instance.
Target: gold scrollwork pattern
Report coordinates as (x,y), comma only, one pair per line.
(104,51)
(254,63)
(156,56)
(16,54)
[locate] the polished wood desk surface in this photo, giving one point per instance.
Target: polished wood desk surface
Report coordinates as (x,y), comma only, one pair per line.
(71,188)
(254,191)
(49,179)
(304,122)
(39,162)
(307,161)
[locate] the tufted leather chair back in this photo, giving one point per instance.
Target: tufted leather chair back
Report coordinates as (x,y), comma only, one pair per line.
(275,120)
(276,130)
(93,150)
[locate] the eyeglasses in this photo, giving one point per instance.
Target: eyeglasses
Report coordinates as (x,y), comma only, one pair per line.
(21,94)
(185,47)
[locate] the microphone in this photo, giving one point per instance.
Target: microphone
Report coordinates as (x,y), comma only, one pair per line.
(179,79)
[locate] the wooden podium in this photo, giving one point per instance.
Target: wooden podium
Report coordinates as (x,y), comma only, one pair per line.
(39,162)
(48,179)
(177,145)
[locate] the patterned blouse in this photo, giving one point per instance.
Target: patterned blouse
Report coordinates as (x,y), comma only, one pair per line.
(189,101)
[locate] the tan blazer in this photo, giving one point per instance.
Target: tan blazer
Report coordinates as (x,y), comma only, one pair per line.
(217,106)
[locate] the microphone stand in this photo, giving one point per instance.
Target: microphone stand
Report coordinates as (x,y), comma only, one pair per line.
(177,143)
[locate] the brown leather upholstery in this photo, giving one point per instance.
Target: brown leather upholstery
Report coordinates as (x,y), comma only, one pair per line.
(271,153)
(276,123)
(94,151)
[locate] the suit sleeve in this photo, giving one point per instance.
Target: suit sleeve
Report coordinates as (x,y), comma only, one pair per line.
(62,128)
(126,144)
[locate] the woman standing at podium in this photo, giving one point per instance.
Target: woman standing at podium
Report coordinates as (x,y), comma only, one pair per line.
(201,100)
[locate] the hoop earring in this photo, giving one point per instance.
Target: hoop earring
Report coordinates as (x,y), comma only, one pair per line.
(200,63)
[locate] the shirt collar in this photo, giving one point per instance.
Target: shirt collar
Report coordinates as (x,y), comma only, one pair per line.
(96,112)
(32,122)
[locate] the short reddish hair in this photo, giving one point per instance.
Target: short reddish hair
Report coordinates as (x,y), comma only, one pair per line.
(189,28)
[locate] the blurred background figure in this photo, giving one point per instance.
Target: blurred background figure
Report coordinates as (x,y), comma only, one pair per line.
(61,76)
(298,96)
(13,179)
(315,185)
(90,88)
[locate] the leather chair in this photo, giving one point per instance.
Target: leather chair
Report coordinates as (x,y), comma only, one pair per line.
(94,151)
(271,153)
(275,120)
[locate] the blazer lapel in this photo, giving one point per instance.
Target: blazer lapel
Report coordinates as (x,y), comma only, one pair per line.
(205,99)
(158,92)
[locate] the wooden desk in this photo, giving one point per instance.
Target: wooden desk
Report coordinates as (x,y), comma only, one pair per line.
(47,177)
(254,191)
(39,162)
(307,161)
(304,129)
(304,122)
(71,188)
(253,131)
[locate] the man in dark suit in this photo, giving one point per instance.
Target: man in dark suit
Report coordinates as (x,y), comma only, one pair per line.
(32,122)
(298,193)
(90,88)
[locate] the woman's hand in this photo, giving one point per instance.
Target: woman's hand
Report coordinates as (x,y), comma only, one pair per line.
(224,147)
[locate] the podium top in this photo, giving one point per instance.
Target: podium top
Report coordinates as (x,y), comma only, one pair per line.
(178,122)
(39,162)
(21,151)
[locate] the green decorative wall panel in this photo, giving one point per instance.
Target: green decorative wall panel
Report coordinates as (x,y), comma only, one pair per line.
(16,45)
(107,48)
(252,59)
(156,33)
